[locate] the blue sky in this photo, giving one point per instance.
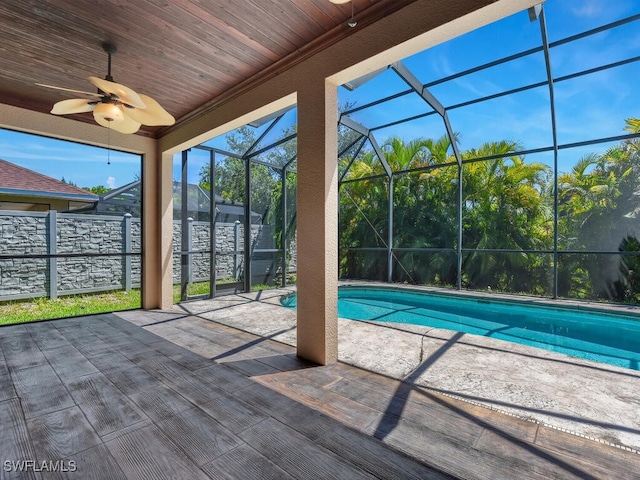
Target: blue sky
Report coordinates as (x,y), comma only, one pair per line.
(83,165)
(588,107)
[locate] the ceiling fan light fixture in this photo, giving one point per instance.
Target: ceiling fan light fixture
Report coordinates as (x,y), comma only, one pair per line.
(115,106)
(109,112)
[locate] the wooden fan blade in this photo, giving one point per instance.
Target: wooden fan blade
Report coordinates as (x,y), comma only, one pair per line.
(126,125)
(89,94)
(124,94)
(153,115)
(73,105)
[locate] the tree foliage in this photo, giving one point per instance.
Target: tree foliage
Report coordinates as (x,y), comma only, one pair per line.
(98,189)
(230,174)
(599,207)
(507,219)
(508,226)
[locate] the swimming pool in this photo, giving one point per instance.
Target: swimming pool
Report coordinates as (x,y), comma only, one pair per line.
(591,334)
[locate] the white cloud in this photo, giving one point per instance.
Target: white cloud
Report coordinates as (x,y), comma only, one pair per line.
(111,182)
(589,8)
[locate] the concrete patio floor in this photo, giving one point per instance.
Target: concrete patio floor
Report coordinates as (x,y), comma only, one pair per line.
(99,398)
(170,394)
(588,399)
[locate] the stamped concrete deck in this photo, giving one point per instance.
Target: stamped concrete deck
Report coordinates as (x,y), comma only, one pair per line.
(591,399)
(101,398)
(177,395)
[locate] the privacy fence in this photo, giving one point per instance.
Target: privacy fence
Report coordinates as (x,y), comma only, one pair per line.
(47,254)
(266,259)
(50,254)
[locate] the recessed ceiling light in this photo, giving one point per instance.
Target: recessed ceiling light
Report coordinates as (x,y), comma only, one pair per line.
(339,2)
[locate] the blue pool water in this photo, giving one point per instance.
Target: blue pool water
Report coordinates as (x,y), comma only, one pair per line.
(594,335)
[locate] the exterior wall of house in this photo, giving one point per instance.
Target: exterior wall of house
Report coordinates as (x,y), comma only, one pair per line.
(37,203)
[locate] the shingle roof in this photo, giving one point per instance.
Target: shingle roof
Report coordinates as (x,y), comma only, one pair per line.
(24,181)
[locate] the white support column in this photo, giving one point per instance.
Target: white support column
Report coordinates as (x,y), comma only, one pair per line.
(317,223)
(157,277)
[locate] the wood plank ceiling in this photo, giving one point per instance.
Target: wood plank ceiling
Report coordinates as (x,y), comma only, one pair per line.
(183,53)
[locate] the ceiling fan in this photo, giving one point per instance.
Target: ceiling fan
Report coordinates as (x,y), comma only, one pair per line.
(115,106)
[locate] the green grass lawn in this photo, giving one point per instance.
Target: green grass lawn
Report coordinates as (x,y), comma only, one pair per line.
(23,311)
(44,309)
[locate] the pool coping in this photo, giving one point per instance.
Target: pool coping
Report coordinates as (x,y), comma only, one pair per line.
(613,308)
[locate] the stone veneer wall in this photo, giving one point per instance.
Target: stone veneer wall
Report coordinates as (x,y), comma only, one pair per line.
(30,234)
(35,233)
(229,250)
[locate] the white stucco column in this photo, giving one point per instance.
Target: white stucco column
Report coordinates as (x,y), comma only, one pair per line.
(317,223)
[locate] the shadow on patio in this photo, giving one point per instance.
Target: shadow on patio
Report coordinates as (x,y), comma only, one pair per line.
(120,401)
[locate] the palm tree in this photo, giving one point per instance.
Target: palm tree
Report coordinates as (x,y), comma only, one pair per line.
(424,209)
(599,204)
(425,206)
(504,207)
(363,218)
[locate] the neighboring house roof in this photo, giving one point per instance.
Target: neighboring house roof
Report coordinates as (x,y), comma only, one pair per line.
(17,180)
